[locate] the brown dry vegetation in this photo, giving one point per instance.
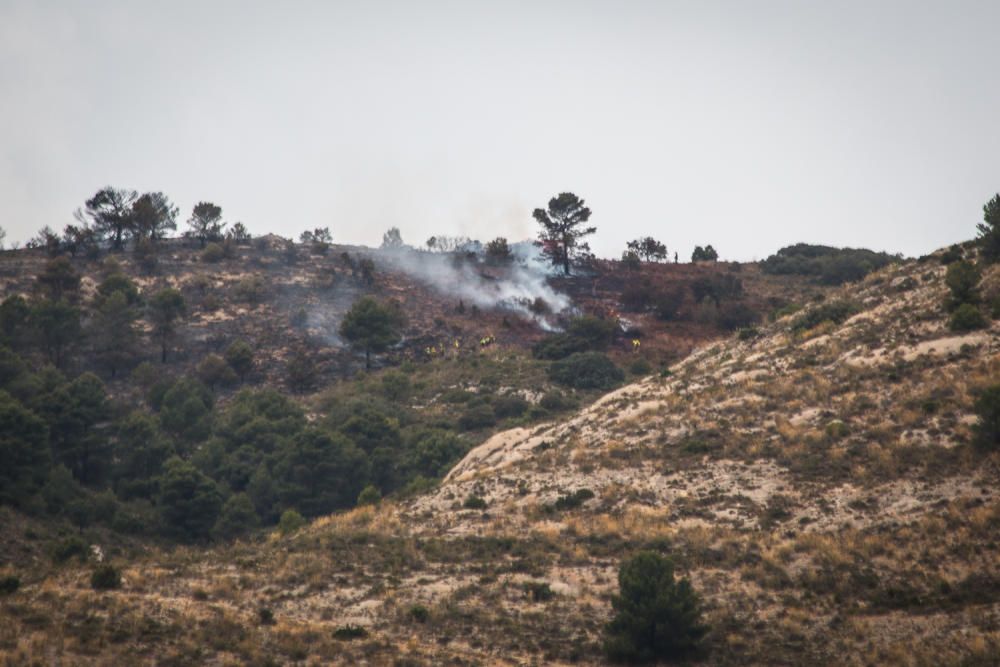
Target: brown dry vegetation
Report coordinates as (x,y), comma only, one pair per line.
(818,487)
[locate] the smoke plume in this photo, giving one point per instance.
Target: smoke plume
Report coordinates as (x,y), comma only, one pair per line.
(515,287)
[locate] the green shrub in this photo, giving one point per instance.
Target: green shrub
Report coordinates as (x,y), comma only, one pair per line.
(631,261)
(573,500)
(419,613)
(238,517)
(349,632)
(784,311)
(395,386)
(989,230)
(290,521)
(189,500)
(65,549)
(474,502)
(640,367)
(837,430)
(836,311)
(966,318)
(828,265)
(265,616)
(735,315)
(582,334)
(456,396)
(213,253)
(638,297)
(369,495)
(213,371)
(556,401)
(586,370)
(558,346)
(987,430)
(656,617)
(951,255)
(538,591)
(667,303)
(597,333)
(476,417)
(9,584)
(105,578)
(251,290)
(510,405)
(239,356)
(995,307)
(962,279)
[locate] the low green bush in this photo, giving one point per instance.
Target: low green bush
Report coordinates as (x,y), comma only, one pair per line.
(369,495)
(105,577)
(9,584)
(573,500)
(640,367)
(962,279)
(65,549)
(349,632)
(556,401)
(835,311)
(419,613)
(966,318)
(586,370)
(213,253)
(538,591)
(477,417)
(558,346)
(510,405)
(987,430)
(474,502)
(951,255)
(290,521)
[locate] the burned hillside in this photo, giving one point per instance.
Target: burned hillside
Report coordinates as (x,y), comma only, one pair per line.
(284,300)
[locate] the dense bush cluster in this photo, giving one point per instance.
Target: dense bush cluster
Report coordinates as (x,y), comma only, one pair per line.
(184,468)
(586,370)
(583,334)
(829,266)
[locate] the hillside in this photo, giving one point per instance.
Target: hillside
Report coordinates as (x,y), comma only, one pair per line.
(814,477)
(285,298)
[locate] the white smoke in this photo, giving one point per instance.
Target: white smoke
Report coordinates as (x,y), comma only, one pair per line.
(515,287)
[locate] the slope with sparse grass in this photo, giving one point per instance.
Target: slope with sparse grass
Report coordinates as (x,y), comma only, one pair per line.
(818,483)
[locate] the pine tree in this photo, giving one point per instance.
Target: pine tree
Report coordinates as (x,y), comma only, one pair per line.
(110,210)
(165,309)
(372,327)
(562,229)
(989,230)
(656,617)
(189,501)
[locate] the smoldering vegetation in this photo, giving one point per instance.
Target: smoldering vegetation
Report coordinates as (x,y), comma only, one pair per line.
(518,284)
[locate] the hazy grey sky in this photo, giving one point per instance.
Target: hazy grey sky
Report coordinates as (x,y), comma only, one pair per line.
(748,125)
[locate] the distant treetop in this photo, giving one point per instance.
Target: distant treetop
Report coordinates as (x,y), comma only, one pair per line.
(989,230)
